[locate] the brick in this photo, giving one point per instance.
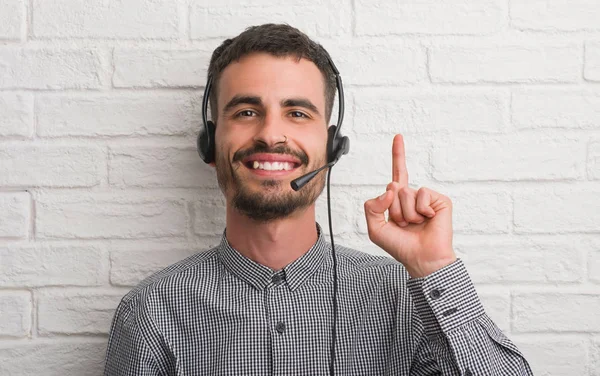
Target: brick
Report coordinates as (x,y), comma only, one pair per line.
(12,19)
(370,162)
(209,215)
(130,264)
(48,265)
(118,114)
(134,19)
(594,265)
(479,212)
(505,64)
(16,114)
(546,312)
(552,210)
(44,68)
(556,109)
(594,356)
(573,15)
(50,165)
(15,313)
(159,167)
(497,307)
(593,160)
(430,17)
(112,216)
(76,312)
(511,261)
(390,110)
(313,17)
(379,64)
(592,61)
(14,215)
(508,158)
(554,356)
(344,208)
(52,358)
(160,68)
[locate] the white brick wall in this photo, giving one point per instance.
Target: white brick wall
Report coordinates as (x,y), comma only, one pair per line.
(100,185)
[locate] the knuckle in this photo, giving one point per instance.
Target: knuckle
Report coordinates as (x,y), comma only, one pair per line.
(397,216)
(415,217)
(405,192)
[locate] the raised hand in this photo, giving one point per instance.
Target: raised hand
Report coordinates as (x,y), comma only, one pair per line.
(418,232)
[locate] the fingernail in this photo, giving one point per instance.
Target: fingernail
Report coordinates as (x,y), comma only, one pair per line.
(383,195)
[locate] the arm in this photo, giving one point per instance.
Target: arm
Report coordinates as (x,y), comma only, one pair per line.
(454,334)
(449,322)
(128,352)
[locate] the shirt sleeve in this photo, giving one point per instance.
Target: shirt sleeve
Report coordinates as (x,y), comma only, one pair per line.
(454,335)
(128,352)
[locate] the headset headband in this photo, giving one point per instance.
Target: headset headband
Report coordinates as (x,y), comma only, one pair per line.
(338,81)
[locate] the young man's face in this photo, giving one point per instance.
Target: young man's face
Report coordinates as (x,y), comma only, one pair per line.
(262,100)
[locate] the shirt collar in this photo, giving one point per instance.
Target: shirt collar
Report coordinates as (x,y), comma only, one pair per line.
(260,276)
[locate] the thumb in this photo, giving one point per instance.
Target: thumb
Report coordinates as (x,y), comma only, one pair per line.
(375,209)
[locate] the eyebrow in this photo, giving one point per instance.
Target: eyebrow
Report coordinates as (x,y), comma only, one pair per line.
(254,100)
(242,99)
(300,102)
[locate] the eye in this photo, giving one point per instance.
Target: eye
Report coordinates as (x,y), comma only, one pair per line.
(245,113)
(298,114)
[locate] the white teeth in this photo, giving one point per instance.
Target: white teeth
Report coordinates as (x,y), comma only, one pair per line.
(272,166)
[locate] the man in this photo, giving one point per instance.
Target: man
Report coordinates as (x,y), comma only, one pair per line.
(261,302)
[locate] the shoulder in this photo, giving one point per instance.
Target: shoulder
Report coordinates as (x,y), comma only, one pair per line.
(174,276)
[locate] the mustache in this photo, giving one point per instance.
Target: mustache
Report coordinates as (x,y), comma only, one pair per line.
(262,148)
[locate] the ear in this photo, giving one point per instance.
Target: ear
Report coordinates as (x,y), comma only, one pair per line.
(212,164)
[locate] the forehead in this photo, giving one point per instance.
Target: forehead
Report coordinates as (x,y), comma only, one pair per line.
(272,77)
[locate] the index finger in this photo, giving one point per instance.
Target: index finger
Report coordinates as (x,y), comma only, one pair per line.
(399,171)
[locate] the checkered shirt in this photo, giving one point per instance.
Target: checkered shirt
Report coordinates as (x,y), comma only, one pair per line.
(220,313)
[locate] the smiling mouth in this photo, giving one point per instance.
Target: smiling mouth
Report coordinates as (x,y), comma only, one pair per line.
(271,165)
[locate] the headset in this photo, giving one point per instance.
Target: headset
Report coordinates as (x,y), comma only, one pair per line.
(337,145)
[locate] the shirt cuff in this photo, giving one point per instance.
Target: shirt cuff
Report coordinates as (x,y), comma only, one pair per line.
(445,299)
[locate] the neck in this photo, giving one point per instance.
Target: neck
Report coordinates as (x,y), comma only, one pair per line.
(274,244)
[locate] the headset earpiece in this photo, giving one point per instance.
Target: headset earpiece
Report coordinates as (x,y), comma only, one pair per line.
(206,143)
(337,145)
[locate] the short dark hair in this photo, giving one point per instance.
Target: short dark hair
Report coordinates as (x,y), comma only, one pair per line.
(278,40)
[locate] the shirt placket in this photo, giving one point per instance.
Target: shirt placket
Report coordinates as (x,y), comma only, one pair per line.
(279,325)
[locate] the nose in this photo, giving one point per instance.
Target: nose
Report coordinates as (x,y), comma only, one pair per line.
(270,132)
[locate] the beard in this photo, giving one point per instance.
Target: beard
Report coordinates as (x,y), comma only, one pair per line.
(275,199)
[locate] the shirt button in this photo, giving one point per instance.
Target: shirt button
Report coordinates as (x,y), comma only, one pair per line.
(449,312)
(435,294)
(277,278)
(280,327)
(468,372)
